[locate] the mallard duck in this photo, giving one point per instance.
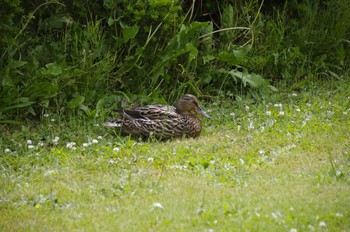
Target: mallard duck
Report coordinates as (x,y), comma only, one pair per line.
(161,122)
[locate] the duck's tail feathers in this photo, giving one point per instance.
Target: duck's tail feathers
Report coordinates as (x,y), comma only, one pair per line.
(112,124)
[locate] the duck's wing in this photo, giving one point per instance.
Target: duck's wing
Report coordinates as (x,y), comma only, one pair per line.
(150,112)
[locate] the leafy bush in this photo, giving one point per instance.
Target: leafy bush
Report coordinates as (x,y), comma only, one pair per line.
(76,56)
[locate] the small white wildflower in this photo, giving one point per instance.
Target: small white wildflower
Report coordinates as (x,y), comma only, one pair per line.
(246,107)
(261,152)
(86,144)
(308,104)
(46,115)
(55,140)
(7,150)
(322,224)
(232,114)
(338,172)
(242,161)
(30,146)
(278,105)
(339,215)
(41,143)
(29,141)
(53,120)
(150,159)
(94,141)
(209,110)
(157,205)
(71,145)
(297,110)
(99,137)
(96,124)
(116,149)
(251,126)
(294,94)
(281,113)
(293,230)
(268,113)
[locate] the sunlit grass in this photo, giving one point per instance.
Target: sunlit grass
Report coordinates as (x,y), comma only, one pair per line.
(279,164)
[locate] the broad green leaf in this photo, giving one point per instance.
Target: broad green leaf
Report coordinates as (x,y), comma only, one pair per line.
(85,109)
(75,102)
(130,33)
(53,69)
(17,103)
(16,64)
(252,79)
(236,56)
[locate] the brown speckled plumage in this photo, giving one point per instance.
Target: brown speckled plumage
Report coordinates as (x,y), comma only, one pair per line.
(162,122)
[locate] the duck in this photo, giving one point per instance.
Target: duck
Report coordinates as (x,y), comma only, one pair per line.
(160,121)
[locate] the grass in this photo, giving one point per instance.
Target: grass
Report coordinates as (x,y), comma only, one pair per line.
(277,164)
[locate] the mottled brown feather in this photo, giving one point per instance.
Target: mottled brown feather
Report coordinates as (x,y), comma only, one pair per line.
(162,122)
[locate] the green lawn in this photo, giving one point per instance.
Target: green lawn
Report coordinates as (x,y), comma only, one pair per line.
(276,164)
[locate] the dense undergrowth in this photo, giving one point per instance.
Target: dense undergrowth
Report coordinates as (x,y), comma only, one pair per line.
(76,58)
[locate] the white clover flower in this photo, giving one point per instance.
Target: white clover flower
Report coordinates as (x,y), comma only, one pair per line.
(41,144)
(322,224)
(261,152)
(251,126)
(294,94)
(55,140)
(281,113)
(31,146)
(157,205)
(339,215)
(268,113)
(150,159)
(46,115)
(99,137)
(242,161)
(86,144)
(94,141)
(71,145)
(232,114)
(29,142)
(7,150)
(278,105)
(53,120)
(116,149)
(297,110)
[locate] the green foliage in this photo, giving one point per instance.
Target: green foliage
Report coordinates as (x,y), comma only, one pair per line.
(66,57)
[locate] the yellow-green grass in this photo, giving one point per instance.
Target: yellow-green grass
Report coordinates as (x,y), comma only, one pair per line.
(279,164)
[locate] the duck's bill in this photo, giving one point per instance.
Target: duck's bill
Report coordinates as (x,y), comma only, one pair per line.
(202,112)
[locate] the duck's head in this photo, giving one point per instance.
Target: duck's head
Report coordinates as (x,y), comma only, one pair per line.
(188,104)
